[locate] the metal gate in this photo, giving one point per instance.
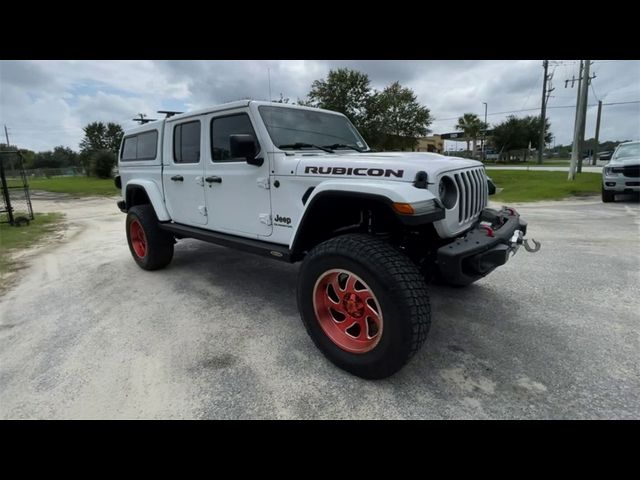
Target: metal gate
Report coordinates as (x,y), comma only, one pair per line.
(15,200)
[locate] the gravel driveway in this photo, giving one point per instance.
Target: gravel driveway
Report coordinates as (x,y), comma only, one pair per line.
(85,333)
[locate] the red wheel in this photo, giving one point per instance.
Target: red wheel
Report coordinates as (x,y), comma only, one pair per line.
(348,311)
(138,239)
(345,285)
(150,246)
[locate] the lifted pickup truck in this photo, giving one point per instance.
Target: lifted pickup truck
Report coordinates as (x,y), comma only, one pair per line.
(300,184)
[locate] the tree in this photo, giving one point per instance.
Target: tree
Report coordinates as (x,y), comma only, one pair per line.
(395,119)
(388,119)
(532,127)
(98,136)
(27,156)
(471,125)
(64,157)
(518,133)
(345,91)
(114,137)
(102,163)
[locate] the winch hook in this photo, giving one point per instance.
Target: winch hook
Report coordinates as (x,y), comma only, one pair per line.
(533,249)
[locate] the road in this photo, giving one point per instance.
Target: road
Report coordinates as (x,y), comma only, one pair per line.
(85,333)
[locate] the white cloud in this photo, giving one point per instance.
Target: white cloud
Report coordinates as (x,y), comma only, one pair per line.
(46,103)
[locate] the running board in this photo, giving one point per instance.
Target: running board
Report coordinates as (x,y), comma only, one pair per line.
(271,250)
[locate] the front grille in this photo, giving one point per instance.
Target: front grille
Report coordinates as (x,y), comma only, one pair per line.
(631,171)
(472,193)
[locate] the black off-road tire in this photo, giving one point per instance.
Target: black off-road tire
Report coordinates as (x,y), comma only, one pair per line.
(159,243)
(399,288)
(608,195)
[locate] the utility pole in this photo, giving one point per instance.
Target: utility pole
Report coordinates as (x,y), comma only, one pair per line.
(579,87)
(586,80)
(543,111)
(484,131)
(6,134)
(581,114)
(594,158)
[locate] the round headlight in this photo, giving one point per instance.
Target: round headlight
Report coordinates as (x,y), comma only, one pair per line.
(448,192)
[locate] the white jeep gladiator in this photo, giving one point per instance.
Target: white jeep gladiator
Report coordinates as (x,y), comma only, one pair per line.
(300,184)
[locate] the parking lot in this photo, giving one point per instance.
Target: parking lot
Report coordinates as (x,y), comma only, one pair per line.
(85,333)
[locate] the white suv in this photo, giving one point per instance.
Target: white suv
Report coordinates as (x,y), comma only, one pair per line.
(300,184)
(622,173)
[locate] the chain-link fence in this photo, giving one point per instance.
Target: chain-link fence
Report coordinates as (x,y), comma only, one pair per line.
(15,200)
(12,172)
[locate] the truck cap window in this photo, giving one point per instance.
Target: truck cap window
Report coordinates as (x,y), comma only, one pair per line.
(222,128)
(292,128)
(142,146)
(186,142)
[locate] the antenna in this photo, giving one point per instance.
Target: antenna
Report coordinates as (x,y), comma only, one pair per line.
(269,77)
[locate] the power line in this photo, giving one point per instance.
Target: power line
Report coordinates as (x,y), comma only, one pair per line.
(537,109)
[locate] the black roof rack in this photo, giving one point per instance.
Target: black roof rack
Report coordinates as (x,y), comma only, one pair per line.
(169,113)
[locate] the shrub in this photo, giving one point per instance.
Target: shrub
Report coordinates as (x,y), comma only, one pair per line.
(102,163)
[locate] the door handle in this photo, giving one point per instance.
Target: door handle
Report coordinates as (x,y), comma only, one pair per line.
(213,179)
(177,178)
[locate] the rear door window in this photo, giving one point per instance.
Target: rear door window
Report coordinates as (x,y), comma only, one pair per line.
(186,142)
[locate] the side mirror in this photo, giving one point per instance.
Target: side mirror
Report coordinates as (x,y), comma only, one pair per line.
(244,146)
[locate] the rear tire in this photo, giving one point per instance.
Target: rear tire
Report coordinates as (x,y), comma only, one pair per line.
(379,292)
(150,246)
(608,196)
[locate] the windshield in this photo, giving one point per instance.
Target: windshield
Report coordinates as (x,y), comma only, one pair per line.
(296,128)
(630,150)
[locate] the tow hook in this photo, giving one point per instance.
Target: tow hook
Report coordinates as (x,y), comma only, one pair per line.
(518,239)
(533,249)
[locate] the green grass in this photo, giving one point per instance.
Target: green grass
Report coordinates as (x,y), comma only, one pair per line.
(531,186)
(13,239)
(531,163)
(77,186)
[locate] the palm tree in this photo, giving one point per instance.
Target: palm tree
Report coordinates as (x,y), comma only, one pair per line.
(471,125)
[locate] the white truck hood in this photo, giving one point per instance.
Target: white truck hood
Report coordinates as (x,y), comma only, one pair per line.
(624,162)
(395,166)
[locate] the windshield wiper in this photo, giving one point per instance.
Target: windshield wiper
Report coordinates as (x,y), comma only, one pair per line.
(344,145)
(306,145)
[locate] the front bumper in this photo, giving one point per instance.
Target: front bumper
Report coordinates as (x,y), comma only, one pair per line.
(483,248)
(621,184)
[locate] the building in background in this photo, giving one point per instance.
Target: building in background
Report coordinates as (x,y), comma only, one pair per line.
(433,143)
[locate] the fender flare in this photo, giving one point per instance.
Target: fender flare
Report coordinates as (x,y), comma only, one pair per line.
(154,193)
(383,192)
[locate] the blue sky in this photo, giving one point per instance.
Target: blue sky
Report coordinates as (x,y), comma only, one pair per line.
(46,103)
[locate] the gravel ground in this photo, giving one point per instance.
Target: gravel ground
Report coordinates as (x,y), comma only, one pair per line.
(85,333)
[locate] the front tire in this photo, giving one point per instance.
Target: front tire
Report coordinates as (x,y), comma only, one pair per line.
(608,196)
(150,246)
(364,304)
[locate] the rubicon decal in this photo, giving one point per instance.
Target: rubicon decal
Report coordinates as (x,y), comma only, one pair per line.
(361,172)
